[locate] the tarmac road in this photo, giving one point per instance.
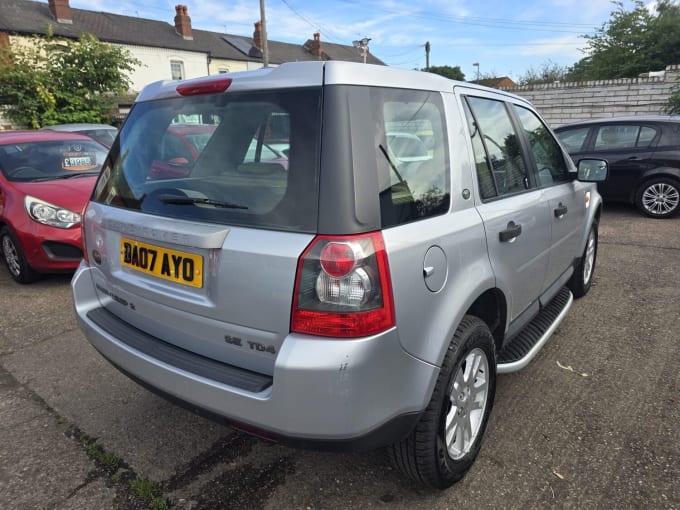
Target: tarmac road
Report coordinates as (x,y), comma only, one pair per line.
(592,422)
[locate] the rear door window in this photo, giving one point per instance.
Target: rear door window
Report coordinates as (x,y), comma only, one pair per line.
(502,148)
(614,137)
(248,159)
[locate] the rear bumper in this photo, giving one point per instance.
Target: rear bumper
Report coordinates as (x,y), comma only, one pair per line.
(349,394)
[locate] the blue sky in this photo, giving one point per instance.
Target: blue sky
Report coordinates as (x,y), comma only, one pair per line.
(506,38)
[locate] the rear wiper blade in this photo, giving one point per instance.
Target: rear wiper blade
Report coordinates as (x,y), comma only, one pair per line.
(178,200)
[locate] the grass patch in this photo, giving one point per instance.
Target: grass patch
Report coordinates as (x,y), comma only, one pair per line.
(119,472)
(150,492)
(106,460)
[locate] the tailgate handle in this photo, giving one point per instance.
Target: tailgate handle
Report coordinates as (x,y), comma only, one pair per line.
(510,233)
(561,210)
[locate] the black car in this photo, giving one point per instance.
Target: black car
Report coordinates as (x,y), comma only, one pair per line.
(643,154)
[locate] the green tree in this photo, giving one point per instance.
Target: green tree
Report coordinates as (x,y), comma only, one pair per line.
(632,42)
(673,104)
(53,81)
(452,73)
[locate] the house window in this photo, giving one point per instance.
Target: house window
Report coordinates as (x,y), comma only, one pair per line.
(177,70)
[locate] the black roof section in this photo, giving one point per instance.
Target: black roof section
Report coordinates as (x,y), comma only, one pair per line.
(27,17)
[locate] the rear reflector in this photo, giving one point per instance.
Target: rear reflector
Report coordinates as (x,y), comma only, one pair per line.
(211,86)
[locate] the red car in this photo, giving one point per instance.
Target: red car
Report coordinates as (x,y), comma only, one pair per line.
(46,178)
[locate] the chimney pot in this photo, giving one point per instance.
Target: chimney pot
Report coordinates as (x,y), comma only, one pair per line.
(257,35)
(315,46)
(183,22)
(61,10)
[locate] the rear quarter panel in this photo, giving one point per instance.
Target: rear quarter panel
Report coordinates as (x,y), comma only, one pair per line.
(426,320)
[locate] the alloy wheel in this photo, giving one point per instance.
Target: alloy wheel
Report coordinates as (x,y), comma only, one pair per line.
(468,395)
(660,199)
(590,258)
(11,255)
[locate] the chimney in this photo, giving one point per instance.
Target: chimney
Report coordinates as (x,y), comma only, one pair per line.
(257,35)
(61,11)
(315,45)
(183,22)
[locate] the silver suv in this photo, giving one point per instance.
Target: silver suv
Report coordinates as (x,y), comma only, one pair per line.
(330,293)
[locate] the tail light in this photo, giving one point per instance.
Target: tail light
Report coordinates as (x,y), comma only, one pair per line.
(343,287)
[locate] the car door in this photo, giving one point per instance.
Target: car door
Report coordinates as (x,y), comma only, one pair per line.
(515,218)
(628,147)
(564,196)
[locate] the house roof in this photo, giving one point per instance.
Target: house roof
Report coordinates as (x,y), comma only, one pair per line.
(27,17)
(502,81)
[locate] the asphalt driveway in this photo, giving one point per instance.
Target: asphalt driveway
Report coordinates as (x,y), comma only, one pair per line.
(592,422)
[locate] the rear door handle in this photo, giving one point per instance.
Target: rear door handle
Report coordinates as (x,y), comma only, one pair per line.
(561,210)
(510,233)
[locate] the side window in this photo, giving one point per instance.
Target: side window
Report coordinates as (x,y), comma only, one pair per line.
(487,186)
(412,156)
(623,136)
(502,145)
(573,139)
(646,136)
(550,165)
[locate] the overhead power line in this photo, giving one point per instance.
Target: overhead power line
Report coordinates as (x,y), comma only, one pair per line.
(504,23)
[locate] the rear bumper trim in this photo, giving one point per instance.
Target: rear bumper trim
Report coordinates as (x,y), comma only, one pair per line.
(184,360)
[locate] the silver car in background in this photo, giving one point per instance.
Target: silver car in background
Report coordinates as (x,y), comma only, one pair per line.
(103,133)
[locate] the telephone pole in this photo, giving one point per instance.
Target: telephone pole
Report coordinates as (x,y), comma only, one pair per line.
(265,45)
(427,56)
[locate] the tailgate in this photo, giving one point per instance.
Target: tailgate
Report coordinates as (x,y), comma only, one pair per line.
(219,291)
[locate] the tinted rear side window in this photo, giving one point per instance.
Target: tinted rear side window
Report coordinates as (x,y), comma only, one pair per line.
(249,159)
(412,155)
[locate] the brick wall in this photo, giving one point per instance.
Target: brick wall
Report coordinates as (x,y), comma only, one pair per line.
(562,103)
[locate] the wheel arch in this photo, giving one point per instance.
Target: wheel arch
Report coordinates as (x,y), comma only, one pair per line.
(662,172)
(491,307)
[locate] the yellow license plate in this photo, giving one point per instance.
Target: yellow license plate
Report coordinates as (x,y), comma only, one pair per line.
(175,266)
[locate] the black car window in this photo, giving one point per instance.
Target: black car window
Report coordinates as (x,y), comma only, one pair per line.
(573,139)
(502,145)
(623,136)
(646,136)
(550,165)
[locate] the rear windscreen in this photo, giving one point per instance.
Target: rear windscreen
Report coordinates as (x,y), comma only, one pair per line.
(249,159)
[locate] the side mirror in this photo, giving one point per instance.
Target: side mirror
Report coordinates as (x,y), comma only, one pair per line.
(592,170)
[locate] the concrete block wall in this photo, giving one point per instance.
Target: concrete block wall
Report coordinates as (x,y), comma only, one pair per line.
(563,103)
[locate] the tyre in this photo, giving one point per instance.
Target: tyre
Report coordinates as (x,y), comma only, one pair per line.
(659,198)
(582,279)
(15,258)
(446,440)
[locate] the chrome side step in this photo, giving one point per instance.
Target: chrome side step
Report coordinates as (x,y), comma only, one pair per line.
(522,348)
